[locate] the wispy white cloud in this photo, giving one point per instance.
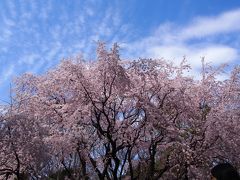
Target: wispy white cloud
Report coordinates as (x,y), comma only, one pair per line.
(29,59)
(11,8)
(6,30)
(8,22)
(7,73)
(103,28)
(206,26)
(5,34)
(44,10)
(217,54)
(53,51)
(171,41)
(89,11)
(199,27)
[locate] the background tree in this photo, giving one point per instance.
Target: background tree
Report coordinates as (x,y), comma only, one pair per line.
(23,151)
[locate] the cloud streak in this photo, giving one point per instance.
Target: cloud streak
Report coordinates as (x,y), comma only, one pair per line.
(211,26)
(173,41)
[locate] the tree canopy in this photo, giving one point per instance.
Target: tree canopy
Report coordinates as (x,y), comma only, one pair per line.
(115,119)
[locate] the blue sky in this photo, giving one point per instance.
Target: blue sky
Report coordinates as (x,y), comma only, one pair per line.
(36,34)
